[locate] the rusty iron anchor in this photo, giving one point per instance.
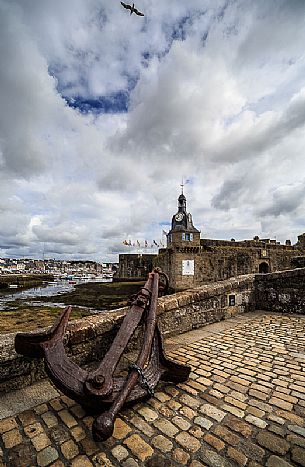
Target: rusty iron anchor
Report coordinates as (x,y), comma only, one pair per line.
(100,390)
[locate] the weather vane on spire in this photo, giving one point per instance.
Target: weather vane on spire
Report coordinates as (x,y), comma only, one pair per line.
(182,185)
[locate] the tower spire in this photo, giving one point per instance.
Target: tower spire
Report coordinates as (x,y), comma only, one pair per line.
(182,185)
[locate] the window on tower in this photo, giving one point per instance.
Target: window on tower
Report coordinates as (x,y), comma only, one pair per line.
(188,237)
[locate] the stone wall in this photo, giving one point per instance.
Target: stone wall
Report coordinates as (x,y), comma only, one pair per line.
(281,292)
(219,260)
(88,339)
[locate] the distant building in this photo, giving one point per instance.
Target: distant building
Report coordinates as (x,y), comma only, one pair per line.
(135,265)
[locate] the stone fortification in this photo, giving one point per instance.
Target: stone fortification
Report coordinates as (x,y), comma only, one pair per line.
(281,292)
(88,339)
(190,260)
(216,260)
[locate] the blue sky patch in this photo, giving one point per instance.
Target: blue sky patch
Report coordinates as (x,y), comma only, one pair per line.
(114,103)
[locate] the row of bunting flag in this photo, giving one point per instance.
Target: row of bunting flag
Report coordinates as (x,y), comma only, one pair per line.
(145,243)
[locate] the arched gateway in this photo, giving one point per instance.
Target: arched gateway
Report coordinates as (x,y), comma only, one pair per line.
(263,268)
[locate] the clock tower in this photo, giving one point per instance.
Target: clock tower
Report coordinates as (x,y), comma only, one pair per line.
(181,259)
(183,233)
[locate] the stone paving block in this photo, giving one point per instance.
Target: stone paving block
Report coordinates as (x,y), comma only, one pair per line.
(272,442)
(130,463)
(166,412)
(56,404)
(89,446)
(281,403)
(143,426)
(212,412)
(187,412)
(40,409)
(295,419)
(278,430)
(21,456)
(212,459)
(298,440)
(235,402)
(78,411)
(215,442)
(275,461)
(180,456)
(181,423)
(101,459)
(148,414)
(196,431)
(119,452)
(78,433)
(162,443)
(28,417)
(297,429)
(41,441)
(188,442)
(196,463)
(81,461)
(67,418)
(121,429)
(203,422)
(227,435)
(237,457)
(7,424)
(161,396)
(49,419)
(59,434)
(238,425)
(139,447)
(276,419)
(11,438)
(253,451)
(298,455)
(166,427)
(234,410)
(193,403)
(47,456)
(256,421)
(69,449)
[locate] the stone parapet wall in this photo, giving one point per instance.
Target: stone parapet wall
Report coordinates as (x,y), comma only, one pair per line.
(281,291)
(197,307)
(88,339)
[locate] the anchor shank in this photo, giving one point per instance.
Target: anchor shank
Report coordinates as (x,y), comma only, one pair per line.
(104,425)
(100,381)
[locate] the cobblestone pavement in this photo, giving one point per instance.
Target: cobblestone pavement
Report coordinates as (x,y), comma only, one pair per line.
(244,405)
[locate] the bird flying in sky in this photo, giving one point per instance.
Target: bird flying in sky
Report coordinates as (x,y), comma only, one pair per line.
(132,9)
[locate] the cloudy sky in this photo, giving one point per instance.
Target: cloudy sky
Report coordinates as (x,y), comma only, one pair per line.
(103,113)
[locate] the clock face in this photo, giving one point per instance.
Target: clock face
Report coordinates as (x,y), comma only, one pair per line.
(179,217)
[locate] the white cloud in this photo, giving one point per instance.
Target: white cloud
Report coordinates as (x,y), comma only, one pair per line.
(224,107)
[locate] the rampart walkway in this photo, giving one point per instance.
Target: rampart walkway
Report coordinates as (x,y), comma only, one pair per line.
(244,404)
